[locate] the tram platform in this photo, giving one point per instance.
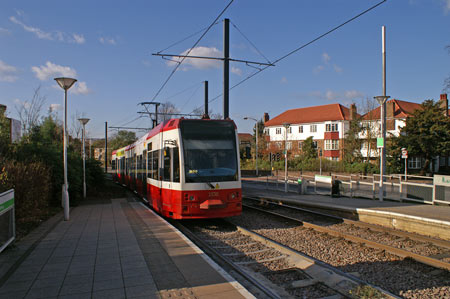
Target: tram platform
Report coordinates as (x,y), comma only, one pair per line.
(429,220)
(114,249)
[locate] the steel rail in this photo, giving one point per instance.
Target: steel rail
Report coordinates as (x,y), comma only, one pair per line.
(402,234)
(396,251)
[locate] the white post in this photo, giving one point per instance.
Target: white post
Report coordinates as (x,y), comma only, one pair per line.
(84,165)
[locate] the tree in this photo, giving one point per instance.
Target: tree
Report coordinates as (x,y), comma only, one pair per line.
(4,133)
(30,111)
(164,111)
(309,151)
(353,142)
(121,139)
(426,133)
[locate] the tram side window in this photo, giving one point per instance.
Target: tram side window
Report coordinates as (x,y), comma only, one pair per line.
(155,164)
(171,165)
(113,164)
(149,164)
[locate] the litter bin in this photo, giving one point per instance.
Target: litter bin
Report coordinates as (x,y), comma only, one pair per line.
(336,188)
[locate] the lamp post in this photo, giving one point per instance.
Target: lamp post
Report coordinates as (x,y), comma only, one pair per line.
(84,121)
(382,101)
(256,144)
(286,126)
(65,84)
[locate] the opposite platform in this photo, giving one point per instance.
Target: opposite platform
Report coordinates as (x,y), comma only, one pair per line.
(119,249)
(430,220)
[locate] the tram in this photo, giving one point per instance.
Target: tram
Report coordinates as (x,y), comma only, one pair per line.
(184,168)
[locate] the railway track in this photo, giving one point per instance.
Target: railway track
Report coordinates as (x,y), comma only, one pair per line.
(403,277)
(271,270)
(426,250)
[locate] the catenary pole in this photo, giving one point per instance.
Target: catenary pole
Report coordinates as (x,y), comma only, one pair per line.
(226,67)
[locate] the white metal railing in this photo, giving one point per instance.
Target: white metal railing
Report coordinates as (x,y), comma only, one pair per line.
(396,186)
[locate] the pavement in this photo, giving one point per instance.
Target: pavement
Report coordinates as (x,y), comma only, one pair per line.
(118,249)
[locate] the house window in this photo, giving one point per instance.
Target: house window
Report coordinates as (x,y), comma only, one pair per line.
(331,145)
(332,127)
(314,144)
(290,130)
(288,145)
(300,145)
(300,129)
(278,130)
(278,144)
(442,161)
(313,128)
(414,163)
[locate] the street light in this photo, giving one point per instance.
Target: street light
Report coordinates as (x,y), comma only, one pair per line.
(256,150)
(286,126)
(382,101)
(65,84)
(84,121)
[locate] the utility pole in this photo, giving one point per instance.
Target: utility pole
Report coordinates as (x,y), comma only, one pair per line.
(226,65)
(206,114)
(226,68)
(106,146)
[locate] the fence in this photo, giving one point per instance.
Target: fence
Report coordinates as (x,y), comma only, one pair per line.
(396,187)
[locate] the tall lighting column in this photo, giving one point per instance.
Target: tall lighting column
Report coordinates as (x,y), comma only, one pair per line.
(65,84)
(382,101)
(256,144)
(84,121)
(286,127)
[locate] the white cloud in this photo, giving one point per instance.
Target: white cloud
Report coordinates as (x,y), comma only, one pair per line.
(353,94)
(337,68)
(326,58)
(81,88)
(200,63)
(318,69)
(41,34)
(51,70)
(331,95)
(236,70)
(107,40)
(7,72)
(283,80)
(55,107)
(79,38)
(4,31)
(446,6)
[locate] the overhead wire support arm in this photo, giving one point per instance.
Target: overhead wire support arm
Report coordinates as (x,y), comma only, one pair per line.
(212,58)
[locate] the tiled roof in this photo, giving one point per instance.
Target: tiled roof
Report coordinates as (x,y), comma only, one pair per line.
(313,114)
(245,136)
(402,109)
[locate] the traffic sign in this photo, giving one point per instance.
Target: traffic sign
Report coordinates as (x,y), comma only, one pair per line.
(404,153)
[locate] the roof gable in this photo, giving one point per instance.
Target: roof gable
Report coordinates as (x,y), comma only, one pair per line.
(402,109)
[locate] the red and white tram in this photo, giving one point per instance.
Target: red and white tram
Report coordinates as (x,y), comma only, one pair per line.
(185,168)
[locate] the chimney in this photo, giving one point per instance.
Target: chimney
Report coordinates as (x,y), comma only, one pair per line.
(390,121)
(353,111)
(266,117)
(444,103)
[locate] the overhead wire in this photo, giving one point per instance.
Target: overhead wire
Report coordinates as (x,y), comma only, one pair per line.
(186,38)
(303,46)
(253,45)
(196,43)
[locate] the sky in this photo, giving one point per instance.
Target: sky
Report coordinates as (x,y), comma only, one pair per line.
(108,45)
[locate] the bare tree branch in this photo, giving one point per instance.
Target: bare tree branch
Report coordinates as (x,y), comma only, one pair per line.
(30,111)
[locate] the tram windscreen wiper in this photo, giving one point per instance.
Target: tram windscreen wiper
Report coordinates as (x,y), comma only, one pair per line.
(210,185)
